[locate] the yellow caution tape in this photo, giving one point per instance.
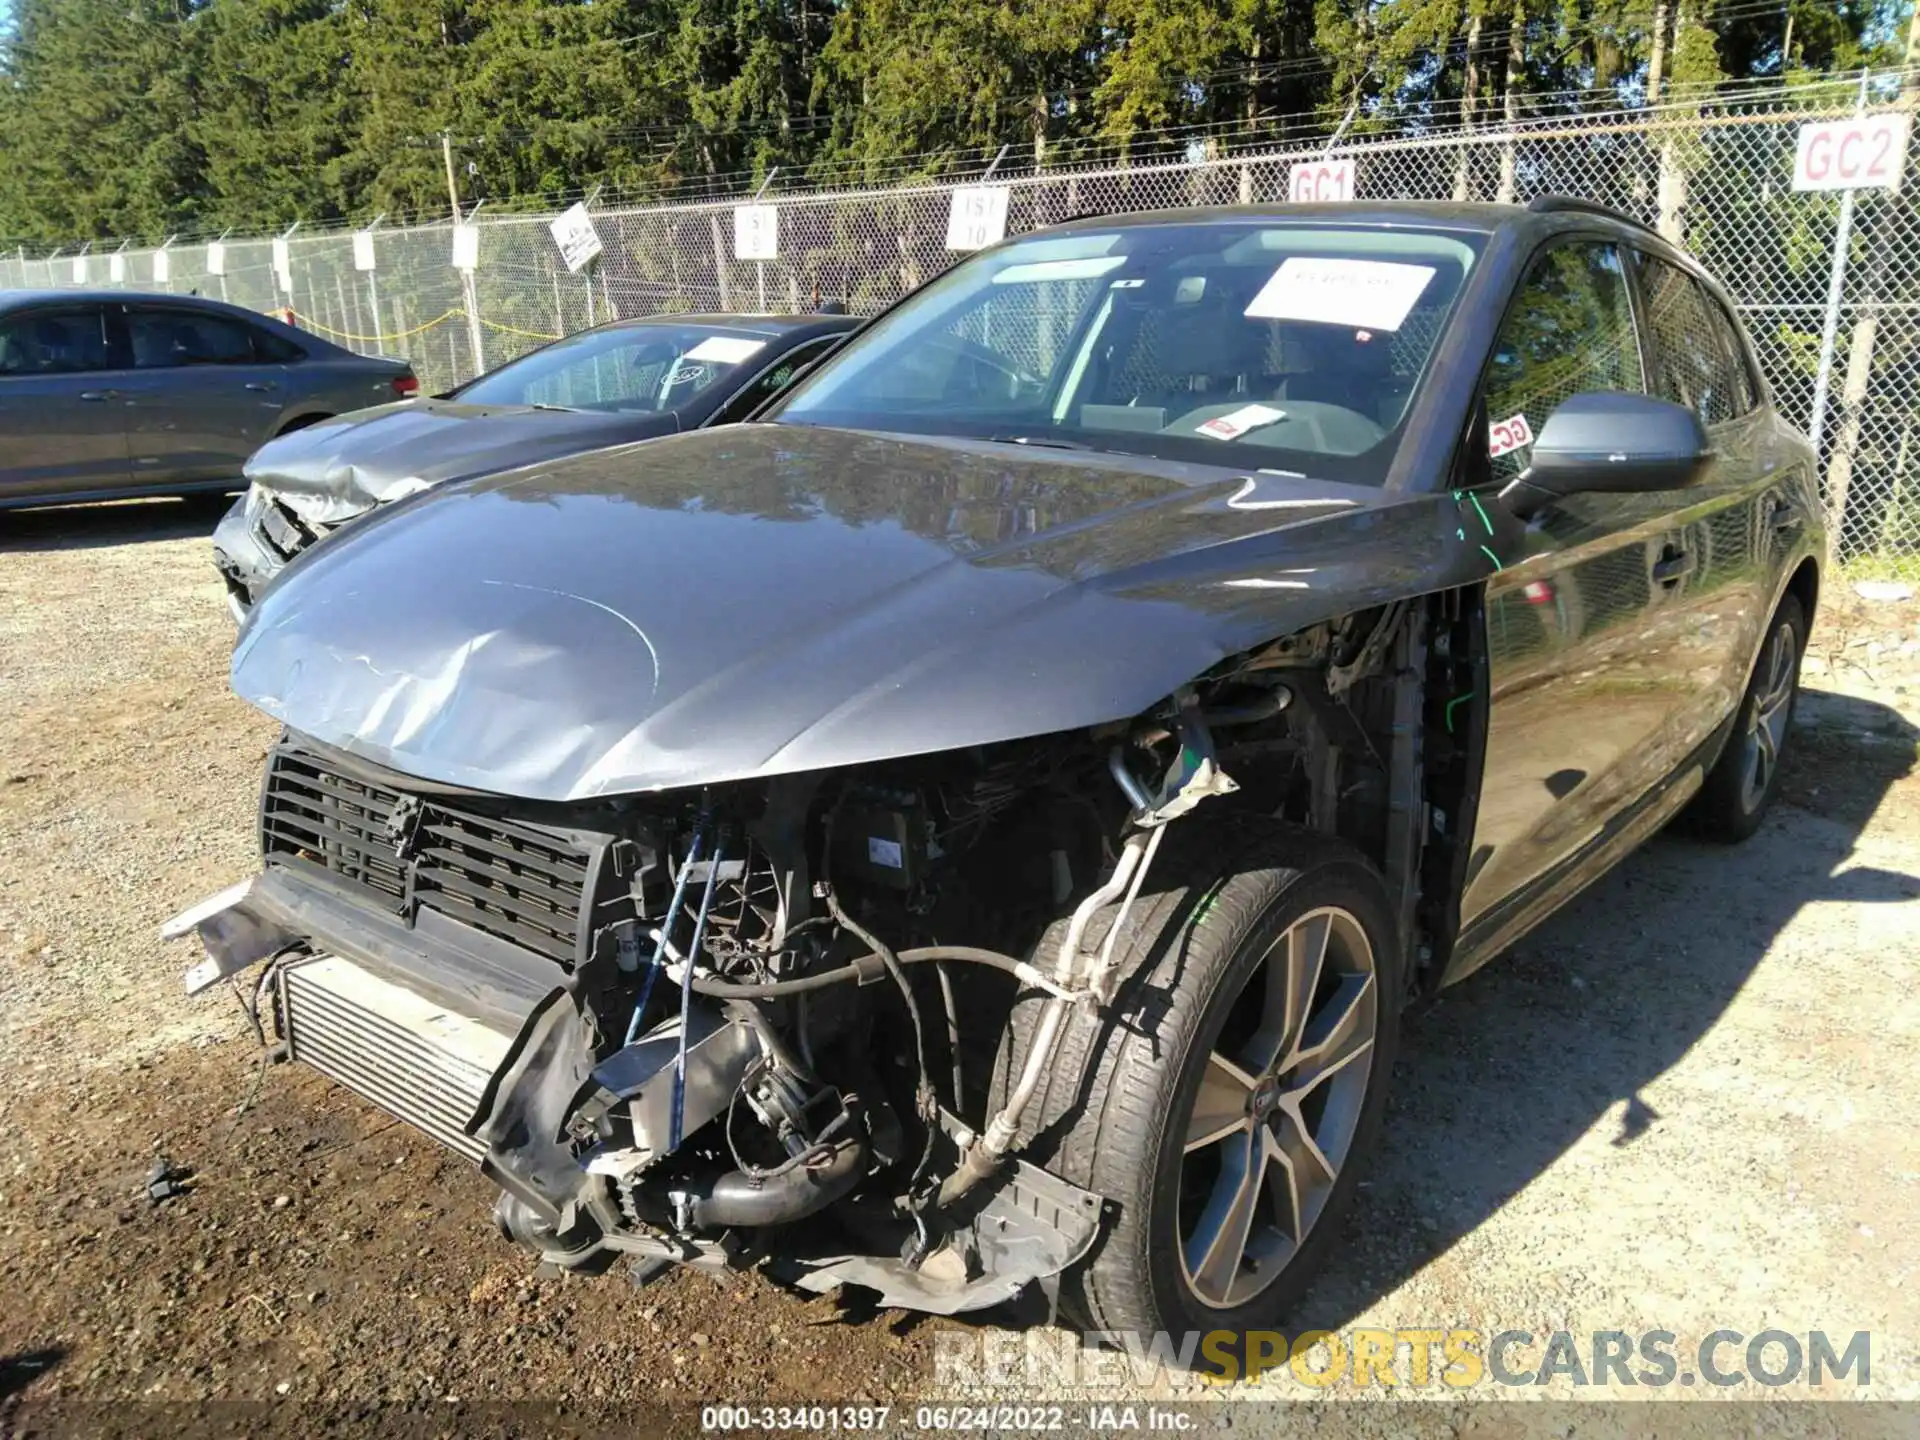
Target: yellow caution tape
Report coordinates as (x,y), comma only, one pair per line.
(510,330)
(308,323)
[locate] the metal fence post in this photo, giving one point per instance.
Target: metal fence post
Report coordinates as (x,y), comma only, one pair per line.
(1830,328)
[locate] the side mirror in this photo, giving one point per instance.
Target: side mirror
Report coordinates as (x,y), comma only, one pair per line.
(1608,442)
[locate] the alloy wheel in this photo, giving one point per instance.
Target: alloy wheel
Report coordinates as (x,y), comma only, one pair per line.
(1767,715)
(1278,1104)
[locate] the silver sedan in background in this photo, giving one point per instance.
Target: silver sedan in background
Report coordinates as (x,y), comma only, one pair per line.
(109,394)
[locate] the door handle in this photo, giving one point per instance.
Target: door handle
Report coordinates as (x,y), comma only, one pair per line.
(1672,567)
(98,394)
(261,385)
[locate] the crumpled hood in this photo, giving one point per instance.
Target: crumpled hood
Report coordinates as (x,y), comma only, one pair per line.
(331,472)
(776,598)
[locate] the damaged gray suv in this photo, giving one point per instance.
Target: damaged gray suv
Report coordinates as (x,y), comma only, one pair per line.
(987,821)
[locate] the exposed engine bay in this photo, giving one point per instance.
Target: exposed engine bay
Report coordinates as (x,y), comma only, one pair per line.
(671,1025)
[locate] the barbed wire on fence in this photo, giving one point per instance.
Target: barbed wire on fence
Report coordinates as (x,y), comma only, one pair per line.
(1711,169)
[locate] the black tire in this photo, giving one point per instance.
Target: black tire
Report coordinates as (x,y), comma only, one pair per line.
(1113,1114)
(1730,806)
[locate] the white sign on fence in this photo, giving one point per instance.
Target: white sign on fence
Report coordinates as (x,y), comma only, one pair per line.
(79,269)
(162,267)
(117,268)
(283,263)
(756,232)
(1866,153)
(466,247)
(363,250)
(978,217)
(1311,180)
(579,242)
(216,258)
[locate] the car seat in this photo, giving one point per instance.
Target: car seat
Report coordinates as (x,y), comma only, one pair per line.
(1337,366)
(1204,351)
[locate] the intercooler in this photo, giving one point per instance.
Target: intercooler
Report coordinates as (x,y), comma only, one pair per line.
(415,1059)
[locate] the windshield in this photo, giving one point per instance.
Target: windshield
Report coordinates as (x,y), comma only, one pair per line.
(1239,343)
(629,368)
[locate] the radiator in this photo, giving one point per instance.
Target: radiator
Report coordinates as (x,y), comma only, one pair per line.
(412,1057)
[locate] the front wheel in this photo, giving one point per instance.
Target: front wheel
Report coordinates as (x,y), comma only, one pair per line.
(1228,1098)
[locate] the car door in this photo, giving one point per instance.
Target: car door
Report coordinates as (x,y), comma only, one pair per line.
(62,425)
(205,398)
(1695,358)
(1585,704)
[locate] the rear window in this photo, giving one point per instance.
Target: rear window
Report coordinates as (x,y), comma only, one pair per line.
(628,368)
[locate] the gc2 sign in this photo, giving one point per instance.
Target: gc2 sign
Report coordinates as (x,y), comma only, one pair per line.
(1867,153)
(1311,180)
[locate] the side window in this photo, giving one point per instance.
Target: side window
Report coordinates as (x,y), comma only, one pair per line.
(55,342)
(163,339)
(1697,357)
(1570,331)
(272,349)
(772,381)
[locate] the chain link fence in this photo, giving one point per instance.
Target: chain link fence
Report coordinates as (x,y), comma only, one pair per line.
(1713,172)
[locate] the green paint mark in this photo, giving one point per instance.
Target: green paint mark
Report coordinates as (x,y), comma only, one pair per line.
(1450,704)
(1493,557)
(1483,514)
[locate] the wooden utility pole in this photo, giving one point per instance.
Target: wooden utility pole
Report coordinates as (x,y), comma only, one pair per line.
(453,187)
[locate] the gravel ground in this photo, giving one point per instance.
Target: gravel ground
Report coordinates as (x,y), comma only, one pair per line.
(1685,1104)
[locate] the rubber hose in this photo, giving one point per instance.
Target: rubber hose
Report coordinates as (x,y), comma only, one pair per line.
(866,970)
(737,1199)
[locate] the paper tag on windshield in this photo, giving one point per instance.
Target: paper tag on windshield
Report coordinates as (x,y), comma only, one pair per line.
(724,349)
(1236,423)
(1508,435)
(1363,294)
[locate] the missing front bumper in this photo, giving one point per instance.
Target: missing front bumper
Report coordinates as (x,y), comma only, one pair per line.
(415,1059)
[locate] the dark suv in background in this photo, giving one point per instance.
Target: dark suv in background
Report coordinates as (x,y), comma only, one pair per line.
(107,394)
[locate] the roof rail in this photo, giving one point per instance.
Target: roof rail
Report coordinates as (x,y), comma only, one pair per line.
(1551,204)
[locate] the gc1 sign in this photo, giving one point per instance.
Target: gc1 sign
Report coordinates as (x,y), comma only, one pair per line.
(1311,180)
(1867,153)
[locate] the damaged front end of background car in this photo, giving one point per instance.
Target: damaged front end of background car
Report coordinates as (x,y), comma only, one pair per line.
(671,1013)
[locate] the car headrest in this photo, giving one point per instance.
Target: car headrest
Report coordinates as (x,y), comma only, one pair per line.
(1209,337)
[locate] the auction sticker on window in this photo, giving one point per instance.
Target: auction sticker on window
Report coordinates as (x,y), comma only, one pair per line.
(1365,294)
(1508,435)
(1236,423)
(725,349)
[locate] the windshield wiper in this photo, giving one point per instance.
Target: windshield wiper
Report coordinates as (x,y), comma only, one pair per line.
(542,405)
(1046,443)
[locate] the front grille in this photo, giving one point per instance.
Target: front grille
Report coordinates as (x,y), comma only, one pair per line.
(514,882)
(509,881)
(333,821)
(411,1057)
